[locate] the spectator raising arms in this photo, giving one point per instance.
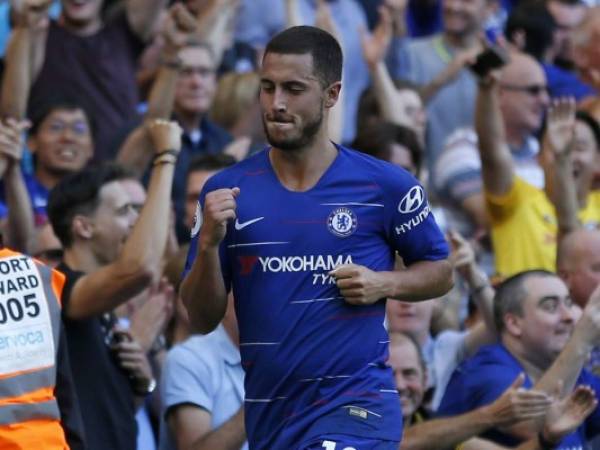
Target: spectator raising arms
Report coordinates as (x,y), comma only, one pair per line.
(108,259)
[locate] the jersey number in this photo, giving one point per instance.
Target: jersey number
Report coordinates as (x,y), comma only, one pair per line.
(16,309)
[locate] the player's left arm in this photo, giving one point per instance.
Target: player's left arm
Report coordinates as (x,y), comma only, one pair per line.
(423,280)
(411,230)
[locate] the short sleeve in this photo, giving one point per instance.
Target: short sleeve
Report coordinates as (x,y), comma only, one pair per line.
(458,169)
(195,232)
(186,378)
(71,277)
(449,351)
(501,207)
(410,225)
(471,389)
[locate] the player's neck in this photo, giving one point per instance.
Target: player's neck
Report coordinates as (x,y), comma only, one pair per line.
(301,170)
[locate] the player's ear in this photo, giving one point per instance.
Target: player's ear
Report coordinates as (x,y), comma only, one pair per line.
(332,94)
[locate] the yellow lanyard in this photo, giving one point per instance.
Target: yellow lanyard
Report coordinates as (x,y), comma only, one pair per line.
(441,50)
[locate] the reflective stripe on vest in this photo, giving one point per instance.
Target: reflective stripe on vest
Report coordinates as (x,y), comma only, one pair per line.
(25,411)
(29,337)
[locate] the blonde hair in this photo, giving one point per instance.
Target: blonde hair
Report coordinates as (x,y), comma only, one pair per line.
(235,94)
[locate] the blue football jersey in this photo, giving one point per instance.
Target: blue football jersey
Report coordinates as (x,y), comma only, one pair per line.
(315,364)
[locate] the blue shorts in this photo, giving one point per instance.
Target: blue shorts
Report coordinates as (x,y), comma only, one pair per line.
(345,442)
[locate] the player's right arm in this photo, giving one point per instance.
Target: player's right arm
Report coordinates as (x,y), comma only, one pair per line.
(203,289)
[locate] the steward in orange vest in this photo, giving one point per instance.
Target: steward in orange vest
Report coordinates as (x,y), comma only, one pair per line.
(38,405)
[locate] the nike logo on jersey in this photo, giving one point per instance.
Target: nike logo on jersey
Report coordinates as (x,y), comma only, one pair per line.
(241,226)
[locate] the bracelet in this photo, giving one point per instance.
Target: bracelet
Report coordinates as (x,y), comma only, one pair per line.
(171,63)
(544,444)
(162,162)
(170,151)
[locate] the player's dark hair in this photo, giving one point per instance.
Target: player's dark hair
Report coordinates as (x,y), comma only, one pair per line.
(511,294)
(377,138)
(325,50)
(78,193)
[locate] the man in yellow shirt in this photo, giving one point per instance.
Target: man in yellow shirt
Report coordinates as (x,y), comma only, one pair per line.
(523,220)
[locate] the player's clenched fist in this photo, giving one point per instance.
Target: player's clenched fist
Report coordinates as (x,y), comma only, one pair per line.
(219,207)
(358,284)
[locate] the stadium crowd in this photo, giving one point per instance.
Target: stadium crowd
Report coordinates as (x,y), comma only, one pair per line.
(115,113)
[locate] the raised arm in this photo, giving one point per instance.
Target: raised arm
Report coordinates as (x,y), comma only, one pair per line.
(586,335)
(143,16)
(23,59)
(496,159)
(203,290)
(21,226)
(324,20)
(513,406)
(375,47)
(215,25)
(292,15)
(140,260)
(17,74)
(137,152)
(558,142)
(482,293)
(397,11)
(449,73)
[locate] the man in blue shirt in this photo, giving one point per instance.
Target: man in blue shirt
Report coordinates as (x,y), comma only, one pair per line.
(306,233)
(538,336)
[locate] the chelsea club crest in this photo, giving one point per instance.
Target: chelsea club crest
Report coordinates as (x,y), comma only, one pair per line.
(342,222)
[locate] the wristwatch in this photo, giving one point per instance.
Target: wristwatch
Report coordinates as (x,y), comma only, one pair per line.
(148,390)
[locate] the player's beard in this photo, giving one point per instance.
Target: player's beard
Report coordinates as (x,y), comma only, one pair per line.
(306,134)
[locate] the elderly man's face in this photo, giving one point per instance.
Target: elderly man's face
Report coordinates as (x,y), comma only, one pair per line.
(409,374)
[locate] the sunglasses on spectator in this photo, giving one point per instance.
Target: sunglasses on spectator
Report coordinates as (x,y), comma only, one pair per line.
(531,89)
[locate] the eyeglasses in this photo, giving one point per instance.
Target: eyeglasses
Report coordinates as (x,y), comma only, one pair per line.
(79,127)
(532,89)
(188,71)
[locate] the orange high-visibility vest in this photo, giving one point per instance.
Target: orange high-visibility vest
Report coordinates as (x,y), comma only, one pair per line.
(29,335)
